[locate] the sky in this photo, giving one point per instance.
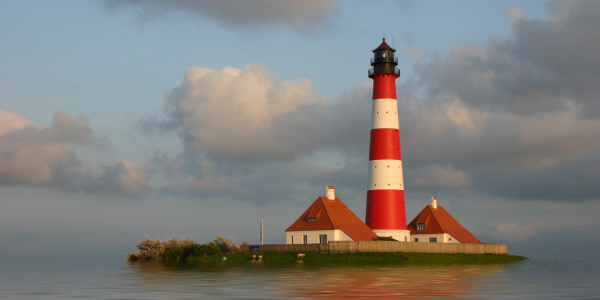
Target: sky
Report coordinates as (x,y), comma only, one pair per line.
(125,120)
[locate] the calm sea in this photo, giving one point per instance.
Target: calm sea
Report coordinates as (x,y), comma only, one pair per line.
(533,279)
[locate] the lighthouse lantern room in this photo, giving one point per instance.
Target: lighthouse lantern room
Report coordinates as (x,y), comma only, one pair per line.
(386,213)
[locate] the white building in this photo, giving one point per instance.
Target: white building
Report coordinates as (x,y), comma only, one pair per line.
(435,225)
(328,219)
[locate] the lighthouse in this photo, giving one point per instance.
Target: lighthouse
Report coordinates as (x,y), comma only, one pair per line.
(386,212)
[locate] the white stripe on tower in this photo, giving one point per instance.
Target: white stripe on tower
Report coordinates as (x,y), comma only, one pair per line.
(385,113)
(386,174)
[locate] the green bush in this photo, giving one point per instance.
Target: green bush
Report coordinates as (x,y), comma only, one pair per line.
(147,249)
(175,249)
(207,249)
(226,245)
(175,253)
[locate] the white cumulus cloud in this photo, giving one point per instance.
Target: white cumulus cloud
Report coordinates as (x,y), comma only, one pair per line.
(248,114)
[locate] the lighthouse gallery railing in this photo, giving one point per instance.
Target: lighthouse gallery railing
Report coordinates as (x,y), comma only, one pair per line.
(396,71)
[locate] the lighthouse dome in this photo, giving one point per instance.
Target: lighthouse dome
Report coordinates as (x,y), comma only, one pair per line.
(384,46)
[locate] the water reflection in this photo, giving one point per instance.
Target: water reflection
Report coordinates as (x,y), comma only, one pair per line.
(256,281)
(116,280)
(394,282)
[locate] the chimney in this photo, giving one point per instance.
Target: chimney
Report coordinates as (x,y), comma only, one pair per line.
(434,202)
(330,192)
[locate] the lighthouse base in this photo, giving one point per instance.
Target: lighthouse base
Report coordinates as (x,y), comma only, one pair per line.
(399,235)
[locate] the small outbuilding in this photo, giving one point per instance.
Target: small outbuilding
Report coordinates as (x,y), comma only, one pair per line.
(328,219)
(435,225)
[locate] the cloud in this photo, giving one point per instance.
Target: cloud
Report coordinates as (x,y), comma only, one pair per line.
(504,140)
(543,156)
(248,135)
(513,13)
(247,114)
(10,121)
(236,124)
(76,131)
(415,53)
(496,118)
(260,182)
(302,16)
(437,176)
(120,177)
(511,232)
(46,156)
(185,175)
(544,65)
(570,179)
(518,114)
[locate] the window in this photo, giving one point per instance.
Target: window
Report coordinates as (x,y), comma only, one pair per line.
(416,239)
(305,239)
(420,226)
(433,240)
(292,239)
(323,238)
(312,219)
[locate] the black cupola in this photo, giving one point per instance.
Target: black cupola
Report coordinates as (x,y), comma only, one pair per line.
(384,61)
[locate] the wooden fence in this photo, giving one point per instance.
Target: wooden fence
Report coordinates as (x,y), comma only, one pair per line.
(379,246)
(316,248)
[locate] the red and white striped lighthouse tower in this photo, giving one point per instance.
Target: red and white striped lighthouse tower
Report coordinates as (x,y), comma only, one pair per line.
(386,213)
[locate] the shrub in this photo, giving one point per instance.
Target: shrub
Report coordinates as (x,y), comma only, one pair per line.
(147,249)
(173,249)
(226,245)
(207,249)
(153,249)
(175,243)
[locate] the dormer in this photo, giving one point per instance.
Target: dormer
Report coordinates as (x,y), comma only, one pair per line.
(422,222)
(313,215)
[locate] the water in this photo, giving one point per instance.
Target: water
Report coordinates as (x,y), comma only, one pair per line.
(531,279)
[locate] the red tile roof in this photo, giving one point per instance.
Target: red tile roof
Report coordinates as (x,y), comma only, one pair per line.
(314,214)
(438,220)
(384,46)
(333,214)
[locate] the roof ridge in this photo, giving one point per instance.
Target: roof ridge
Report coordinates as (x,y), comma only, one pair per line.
(333,216)
(442,225)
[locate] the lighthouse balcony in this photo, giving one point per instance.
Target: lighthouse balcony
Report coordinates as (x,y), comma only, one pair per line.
(384,60)
(372,71)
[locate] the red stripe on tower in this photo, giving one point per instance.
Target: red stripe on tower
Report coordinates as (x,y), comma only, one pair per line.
(386,212)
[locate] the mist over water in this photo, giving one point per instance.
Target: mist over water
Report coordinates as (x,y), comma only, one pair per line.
(533,279)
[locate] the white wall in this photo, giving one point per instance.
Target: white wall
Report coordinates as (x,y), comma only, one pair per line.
(313,236)
(398,235)
(441,238)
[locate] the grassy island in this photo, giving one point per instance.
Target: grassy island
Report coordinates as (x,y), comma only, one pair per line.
(186,252)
